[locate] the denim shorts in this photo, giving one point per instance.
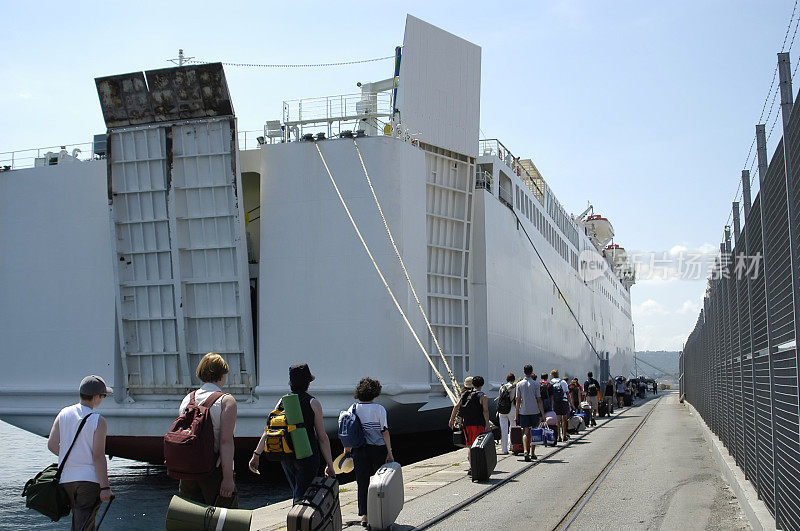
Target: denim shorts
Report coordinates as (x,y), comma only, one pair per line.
(529,421)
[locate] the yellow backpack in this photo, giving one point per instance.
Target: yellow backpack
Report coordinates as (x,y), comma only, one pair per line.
(278,446)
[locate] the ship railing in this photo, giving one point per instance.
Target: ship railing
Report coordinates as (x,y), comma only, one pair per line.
(483,179)
(250,139)
(46,156)
(84,151)
(333,114)
(493,147)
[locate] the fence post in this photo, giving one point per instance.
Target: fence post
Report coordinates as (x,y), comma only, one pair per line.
(748,348)
(761,144)
(787,104)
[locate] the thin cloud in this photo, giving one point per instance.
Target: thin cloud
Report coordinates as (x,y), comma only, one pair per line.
(688,307)
(649,307)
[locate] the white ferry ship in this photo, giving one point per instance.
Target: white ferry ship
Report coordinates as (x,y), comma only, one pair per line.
(172,239)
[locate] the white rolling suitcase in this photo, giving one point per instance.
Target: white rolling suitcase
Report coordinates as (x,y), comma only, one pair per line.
(385,496)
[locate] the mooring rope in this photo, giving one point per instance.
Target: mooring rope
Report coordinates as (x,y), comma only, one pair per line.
(453,380)
(383,279)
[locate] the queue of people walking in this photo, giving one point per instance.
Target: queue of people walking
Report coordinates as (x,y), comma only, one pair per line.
(522,404)
(78,438)
(207,476)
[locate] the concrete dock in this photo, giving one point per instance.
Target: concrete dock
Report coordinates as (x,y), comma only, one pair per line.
(665,478)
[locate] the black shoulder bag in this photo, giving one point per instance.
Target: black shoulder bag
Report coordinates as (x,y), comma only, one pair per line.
(44,492)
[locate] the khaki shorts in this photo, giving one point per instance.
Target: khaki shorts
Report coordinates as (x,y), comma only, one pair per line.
(592,401)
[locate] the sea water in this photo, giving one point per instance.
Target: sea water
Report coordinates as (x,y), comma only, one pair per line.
(142,491)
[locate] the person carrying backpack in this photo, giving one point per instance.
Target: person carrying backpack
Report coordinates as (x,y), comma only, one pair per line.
(506,399)
(559,395)
(216,487)
(377,447)
(301,472)
(85,473)
(544,387)
(473,408)
(592,389)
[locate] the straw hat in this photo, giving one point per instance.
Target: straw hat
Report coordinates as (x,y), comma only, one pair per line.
(343,464)
(468,382)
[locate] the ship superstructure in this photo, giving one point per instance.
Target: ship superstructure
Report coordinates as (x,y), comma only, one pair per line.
(177,241)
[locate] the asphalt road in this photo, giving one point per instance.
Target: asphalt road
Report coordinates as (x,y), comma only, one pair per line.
(666,479)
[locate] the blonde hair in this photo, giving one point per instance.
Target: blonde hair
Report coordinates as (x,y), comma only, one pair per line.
(554,373)
(212,367)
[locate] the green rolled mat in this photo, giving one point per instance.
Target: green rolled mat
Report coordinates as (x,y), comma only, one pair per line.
(294,415)
(186,515)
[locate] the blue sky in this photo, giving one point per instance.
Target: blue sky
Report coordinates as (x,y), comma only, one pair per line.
(646,109)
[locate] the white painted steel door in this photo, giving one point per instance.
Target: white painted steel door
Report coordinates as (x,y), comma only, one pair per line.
(180,254)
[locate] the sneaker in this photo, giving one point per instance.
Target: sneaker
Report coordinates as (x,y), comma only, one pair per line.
(469,471)
(527,458)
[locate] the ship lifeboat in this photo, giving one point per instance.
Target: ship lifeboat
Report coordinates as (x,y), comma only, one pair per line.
(600,229)
(616,254)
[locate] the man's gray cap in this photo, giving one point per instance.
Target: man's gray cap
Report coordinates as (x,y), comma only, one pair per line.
(94,385)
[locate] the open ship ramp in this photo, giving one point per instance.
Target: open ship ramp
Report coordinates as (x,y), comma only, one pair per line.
(177,228)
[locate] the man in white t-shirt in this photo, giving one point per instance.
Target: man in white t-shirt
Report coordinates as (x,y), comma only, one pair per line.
(529,409)
(85,472)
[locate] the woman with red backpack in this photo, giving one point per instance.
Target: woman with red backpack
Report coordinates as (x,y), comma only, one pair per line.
(218,488)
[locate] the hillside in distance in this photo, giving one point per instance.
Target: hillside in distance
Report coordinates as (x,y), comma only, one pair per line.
(666,362)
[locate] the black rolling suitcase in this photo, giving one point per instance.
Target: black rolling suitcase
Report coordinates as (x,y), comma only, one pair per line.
(483,457)
(627,399)
(602,409)
(318,510)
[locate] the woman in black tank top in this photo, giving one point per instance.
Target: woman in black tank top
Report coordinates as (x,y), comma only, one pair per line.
(300,472)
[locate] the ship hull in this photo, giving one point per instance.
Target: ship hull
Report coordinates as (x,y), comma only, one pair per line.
(320,299)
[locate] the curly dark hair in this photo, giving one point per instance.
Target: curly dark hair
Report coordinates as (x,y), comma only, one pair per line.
(367,389)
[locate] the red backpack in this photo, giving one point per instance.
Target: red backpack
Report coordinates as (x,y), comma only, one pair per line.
(189,443)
